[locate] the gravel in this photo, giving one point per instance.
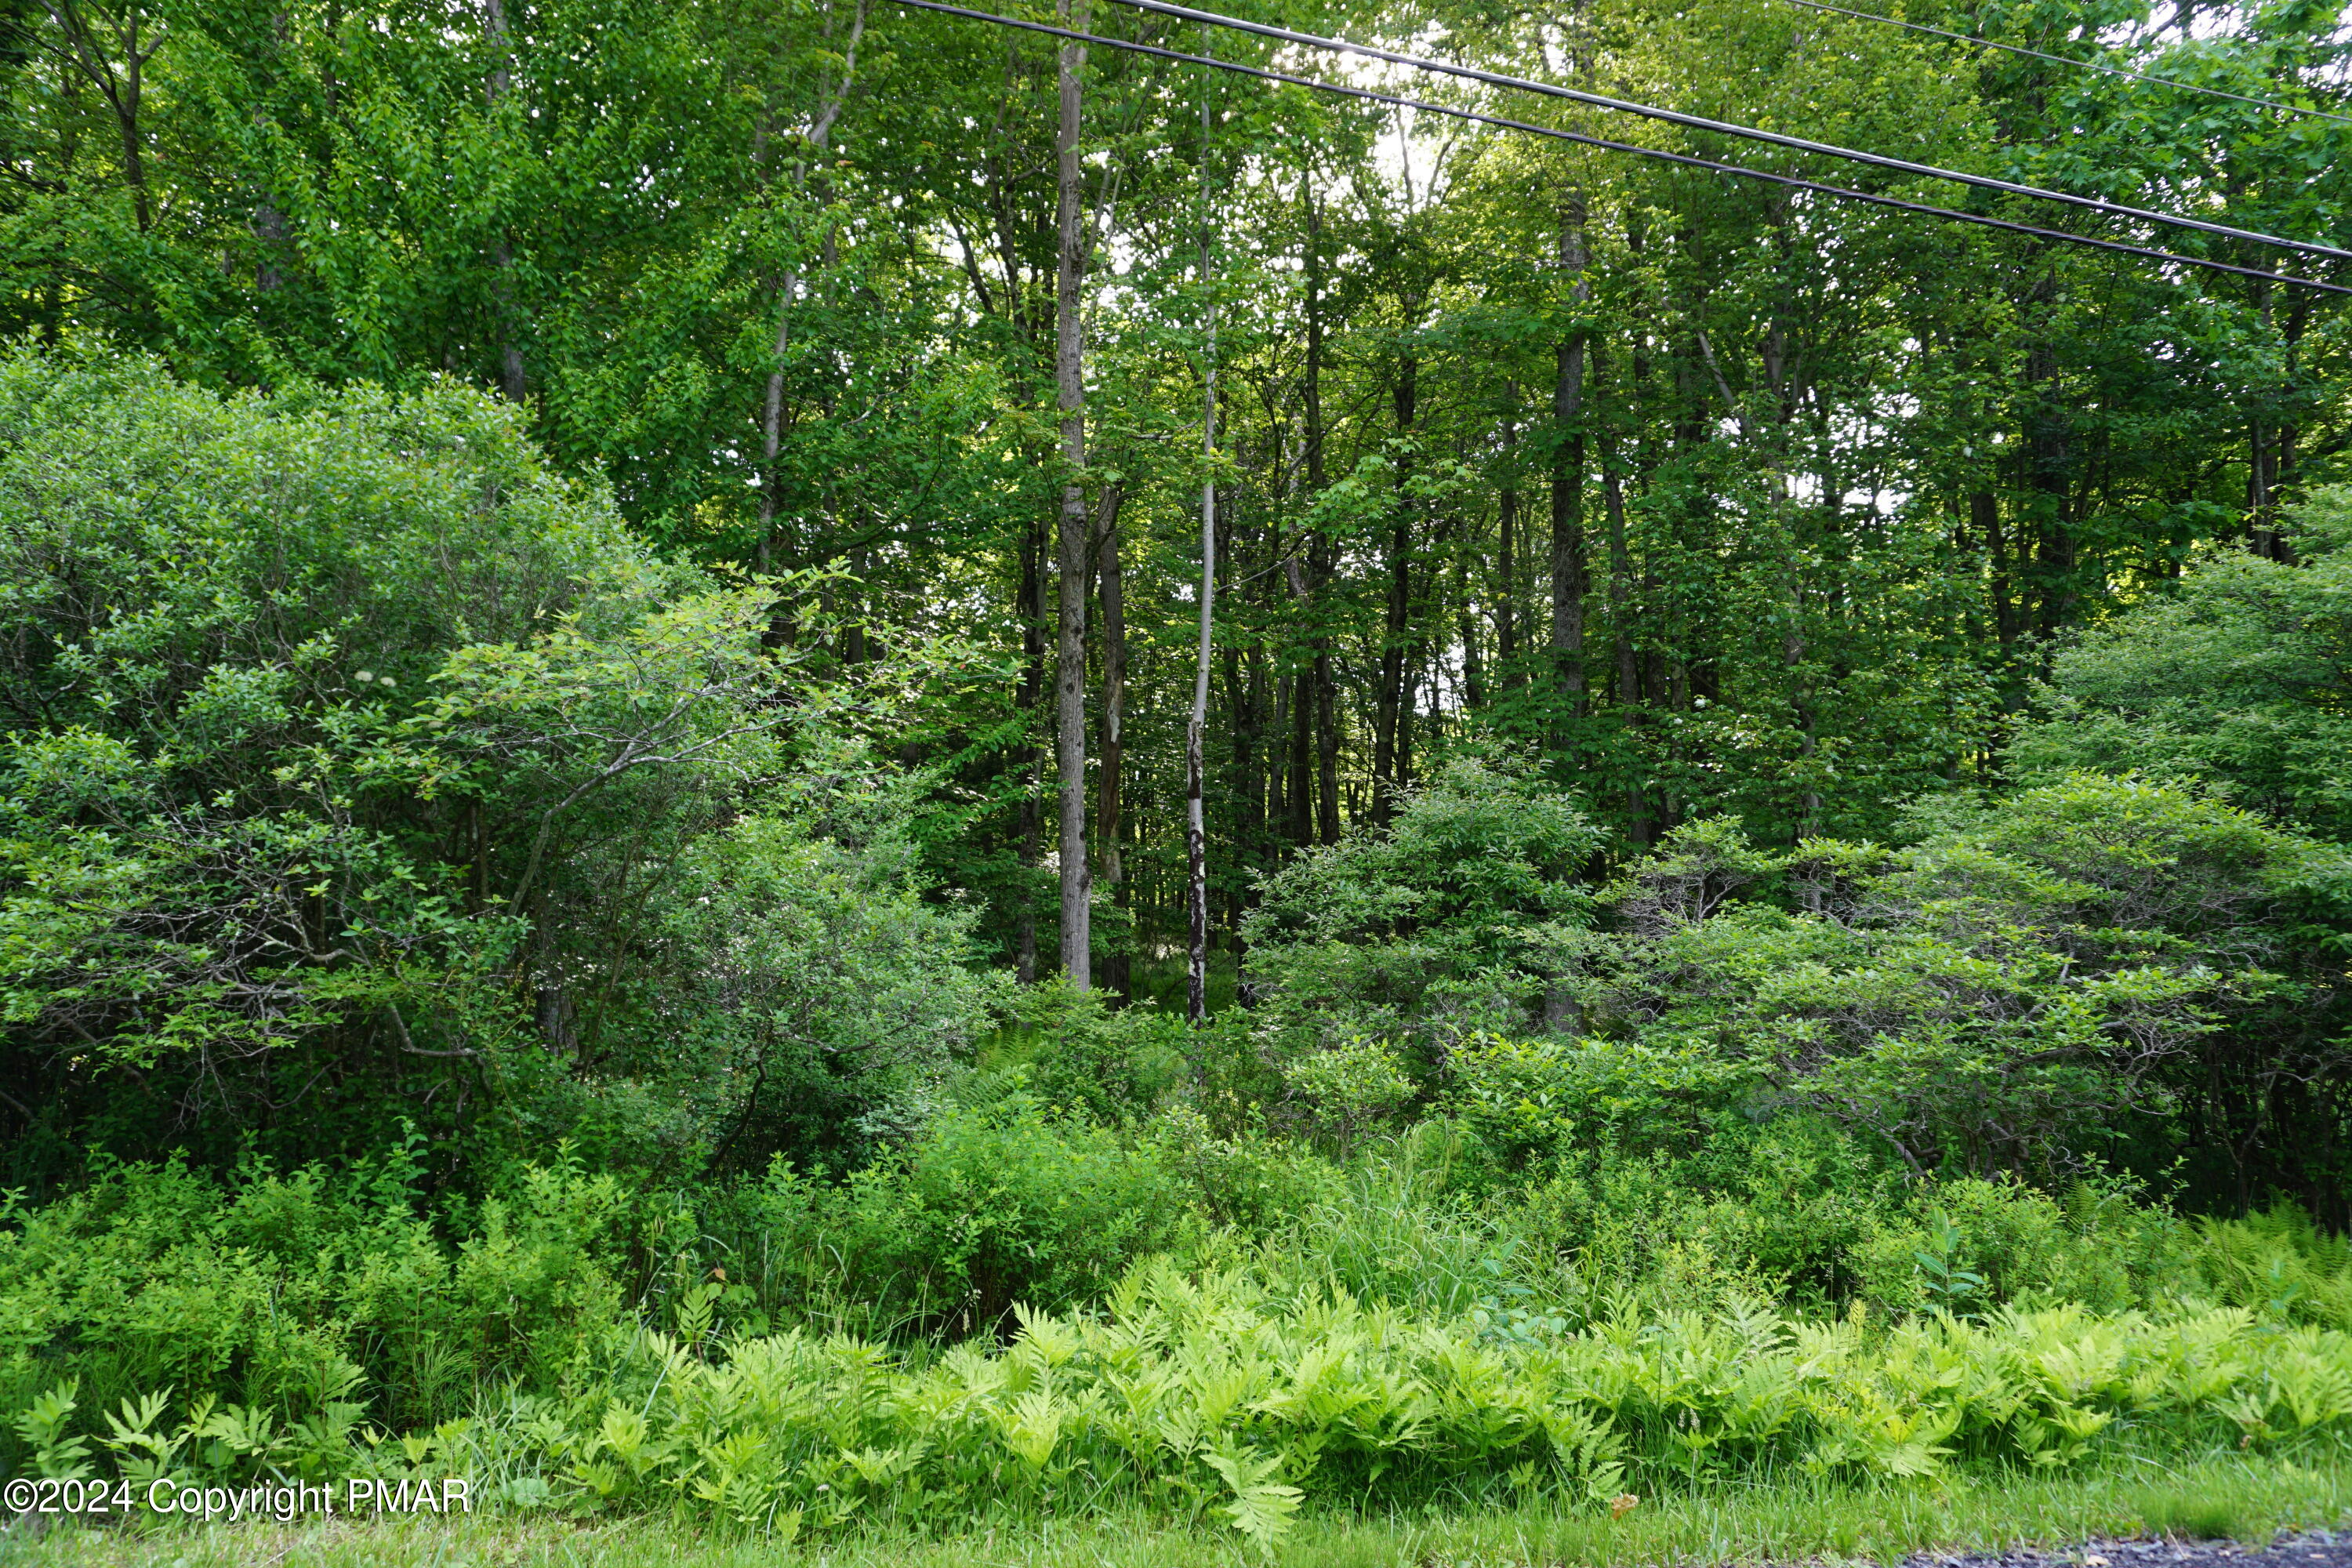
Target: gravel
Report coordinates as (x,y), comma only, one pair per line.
(2317,1549)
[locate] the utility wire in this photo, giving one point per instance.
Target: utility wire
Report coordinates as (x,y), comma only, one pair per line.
(1726,128)
(2069,60)
(1685,160)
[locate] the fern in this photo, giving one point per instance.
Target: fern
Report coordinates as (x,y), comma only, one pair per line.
(1262,1507)
(58,1454)
(1219,1393)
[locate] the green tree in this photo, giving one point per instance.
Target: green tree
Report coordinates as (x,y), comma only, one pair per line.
(353,759)
(2234,680)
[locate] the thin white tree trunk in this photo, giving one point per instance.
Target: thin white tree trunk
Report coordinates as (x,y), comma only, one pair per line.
(1070,678)
(1196,834)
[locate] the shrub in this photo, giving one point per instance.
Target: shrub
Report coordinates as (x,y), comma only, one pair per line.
(354,763)
(993,1206)
(1459,915)
(1247,1181)
(816,997)
(1350,1086)
(1534,1097)
(2017,1243)
(1236,1071)
(300,1291)
(1080,1055)
(2052,975)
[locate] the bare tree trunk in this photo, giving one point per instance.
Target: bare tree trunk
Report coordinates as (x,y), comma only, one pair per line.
(1392,714)
(1252,754)
(269,217)
(123,95)
(2048,476)
(2262,466)
(1070,678)
(1239,843)
(1313,389)
(1112,591)
(1322,553)
(1300,766)
(1281,780)
(1567,565)
(126,109)
(270,231)
(772,428)
(1474,660)
(1621,613)
(1507,563)
(1196,833)
(1196,828)
(1984,513)
(1032,692)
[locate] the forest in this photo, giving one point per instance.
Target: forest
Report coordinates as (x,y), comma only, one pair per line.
(876,782)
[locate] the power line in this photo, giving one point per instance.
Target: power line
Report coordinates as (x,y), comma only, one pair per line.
(2069,60)
(1684,159)
(1726,128)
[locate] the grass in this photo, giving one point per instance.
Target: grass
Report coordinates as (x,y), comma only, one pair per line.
(2247,1499)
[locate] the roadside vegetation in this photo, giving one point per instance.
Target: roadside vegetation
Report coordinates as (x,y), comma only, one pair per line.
(825,781)
(1999,1159)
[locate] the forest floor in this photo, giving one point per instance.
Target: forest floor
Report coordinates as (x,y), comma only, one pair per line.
(2216,1513)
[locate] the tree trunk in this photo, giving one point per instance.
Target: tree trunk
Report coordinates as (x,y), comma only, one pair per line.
(1507,563)
(1313,389)
(1239,843)
(1283,795)
(1474,672)
(269,217)
(2266,456)
(1984,516)
(1391,738)
(2049,478)
(2283,466)
(1196,827)
(1070,562)
(1568,563)
(771,429)
(1111,871)
(1327,727)
(1322,553)
(1031,693)
(1245,671)
(1196,832)
(1620,611)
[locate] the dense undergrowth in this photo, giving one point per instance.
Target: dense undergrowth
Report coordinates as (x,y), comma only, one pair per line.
(1399,1340)
(498,1020)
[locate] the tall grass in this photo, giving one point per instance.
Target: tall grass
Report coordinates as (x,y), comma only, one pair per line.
(1395,1233)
